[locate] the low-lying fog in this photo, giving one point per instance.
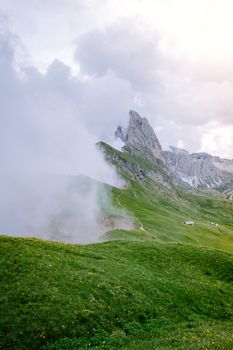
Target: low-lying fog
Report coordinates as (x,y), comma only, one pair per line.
(45,145)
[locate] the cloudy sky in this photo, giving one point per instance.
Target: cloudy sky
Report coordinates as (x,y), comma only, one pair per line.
(70,70)
(90,61)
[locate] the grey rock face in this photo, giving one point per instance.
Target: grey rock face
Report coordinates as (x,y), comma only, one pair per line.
(189,170)
(229,194)
(121,133)
(133,168)
(140,138)
(199,169)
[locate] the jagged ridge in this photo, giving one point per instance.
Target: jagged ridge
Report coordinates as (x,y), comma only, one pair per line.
(200,169)
(196,170)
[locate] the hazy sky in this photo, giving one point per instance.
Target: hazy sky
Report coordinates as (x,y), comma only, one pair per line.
(172,60)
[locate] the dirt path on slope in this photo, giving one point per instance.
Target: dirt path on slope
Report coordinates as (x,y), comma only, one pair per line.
(140,224)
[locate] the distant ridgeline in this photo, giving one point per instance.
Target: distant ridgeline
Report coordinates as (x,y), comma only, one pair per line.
(191,171)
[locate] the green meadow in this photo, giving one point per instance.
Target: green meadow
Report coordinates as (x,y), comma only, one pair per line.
(115,295)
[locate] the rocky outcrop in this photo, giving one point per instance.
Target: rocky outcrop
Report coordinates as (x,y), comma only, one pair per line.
(228,193)
(142,155)
(140,139)
(135,167)
(193,170)
(199,169)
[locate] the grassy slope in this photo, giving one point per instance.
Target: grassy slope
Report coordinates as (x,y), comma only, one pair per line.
(164,288)
(129,295)
(163,216)
(163,211)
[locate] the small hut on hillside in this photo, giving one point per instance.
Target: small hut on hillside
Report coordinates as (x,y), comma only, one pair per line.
(189,223)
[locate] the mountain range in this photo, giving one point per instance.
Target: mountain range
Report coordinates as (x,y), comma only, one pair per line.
(189,170)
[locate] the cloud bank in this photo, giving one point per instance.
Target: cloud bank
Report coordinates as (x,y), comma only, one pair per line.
(183,101)
(45,144)
(161,58)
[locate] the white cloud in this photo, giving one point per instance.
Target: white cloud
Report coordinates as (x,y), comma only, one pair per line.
(218,139)
(122,48)
(180,144)
(163,58)
(45,143)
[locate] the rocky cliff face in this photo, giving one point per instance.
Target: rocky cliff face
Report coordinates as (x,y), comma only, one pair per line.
(199,169)
(189,170)
(140,139)
(141,156)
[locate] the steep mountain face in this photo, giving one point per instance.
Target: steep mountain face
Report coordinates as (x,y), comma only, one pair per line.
(199,169)
(195,170)
(140,139)
(141,156)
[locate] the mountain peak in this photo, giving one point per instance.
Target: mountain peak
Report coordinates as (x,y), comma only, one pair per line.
(140,138)
(199,169)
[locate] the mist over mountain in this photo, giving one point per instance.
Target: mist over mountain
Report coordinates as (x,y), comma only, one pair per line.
(140,138)
(45,143)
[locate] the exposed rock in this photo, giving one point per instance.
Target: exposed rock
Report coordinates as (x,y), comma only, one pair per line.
(140,139)
(131,167)
(200,169)
(121,133)
(229,193)
(195,170)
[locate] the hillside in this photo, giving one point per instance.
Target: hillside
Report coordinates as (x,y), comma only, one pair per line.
(160,208)
(116,295)
(161,285)
(200,170)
